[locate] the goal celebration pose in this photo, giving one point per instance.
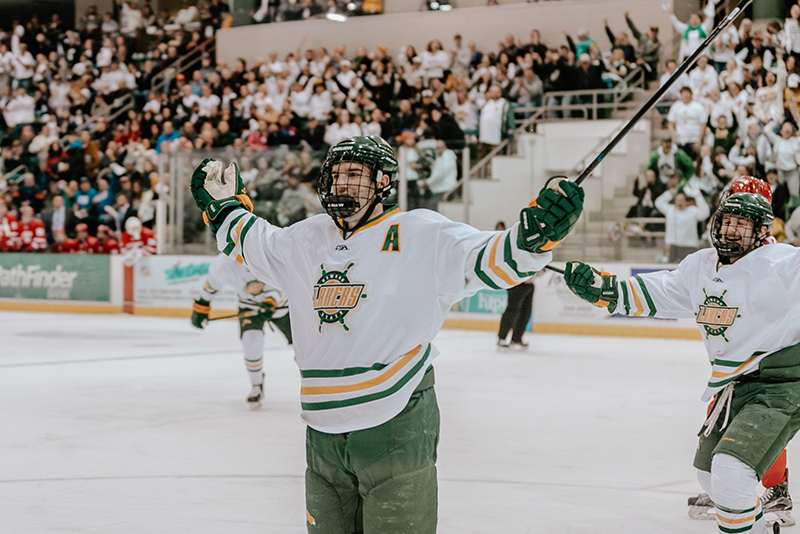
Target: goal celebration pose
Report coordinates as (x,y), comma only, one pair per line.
(370,288)
(743,296)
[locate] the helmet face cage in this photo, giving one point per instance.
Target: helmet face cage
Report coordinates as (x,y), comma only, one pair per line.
(750,206)
(350,175)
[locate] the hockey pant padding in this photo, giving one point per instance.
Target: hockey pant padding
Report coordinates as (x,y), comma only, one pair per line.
(253,345)
(733,491)
(379,480)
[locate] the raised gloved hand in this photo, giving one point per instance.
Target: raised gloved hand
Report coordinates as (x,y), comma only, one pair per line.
(551,216)
(594,286)
(217,192)
(200,312)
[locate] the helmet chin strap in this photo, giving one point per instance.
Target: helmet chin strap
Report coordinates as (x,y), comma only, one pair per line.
(341,223)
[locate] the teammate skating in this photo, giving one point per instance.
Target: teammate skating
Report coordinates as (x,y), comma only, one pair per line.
(743,297)
(259,304)
(370,288)
(776,499)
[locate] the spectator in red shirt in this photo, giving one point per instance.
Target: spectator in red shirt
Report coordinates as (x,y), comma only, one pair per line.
(32,235)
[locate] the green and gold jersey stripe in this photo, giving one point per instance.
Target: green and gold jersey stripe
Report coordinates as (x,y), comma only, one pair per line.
(646,295)
(231,242)
(329,405)
(338,373)
(509,258)
(480,272)
(625,300)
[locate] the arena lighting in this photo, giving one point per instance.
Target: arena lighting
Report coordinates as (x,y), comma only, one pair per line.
(336,17)
(352,6)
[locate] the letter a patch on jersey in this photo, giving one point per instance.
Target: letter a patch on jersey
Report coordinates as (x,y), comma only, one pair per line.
(391,242)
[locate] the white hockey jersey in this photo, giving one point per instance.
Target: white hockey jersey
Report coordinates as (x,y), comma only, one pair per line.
(252,292)
(366,308)
(745,311)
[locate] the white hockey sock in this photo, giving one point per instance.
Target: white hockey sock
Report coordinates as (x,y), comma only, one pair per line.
(253,345)
(733,491)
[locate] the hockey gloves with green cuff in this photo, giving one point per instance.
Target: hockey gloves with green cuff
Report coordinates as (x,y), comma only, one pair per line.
(200,312)
(551,216)
(595,286)
(267,309)
(217,192)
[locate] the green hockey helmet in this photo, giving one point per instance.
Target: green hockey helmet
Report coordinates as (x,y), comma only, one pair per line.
(751,206)
(374,157)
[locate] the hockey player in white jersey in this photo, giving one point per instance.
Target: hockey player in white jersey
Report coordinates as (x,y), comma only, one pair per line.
(258,304)
(370,288)
(743,297)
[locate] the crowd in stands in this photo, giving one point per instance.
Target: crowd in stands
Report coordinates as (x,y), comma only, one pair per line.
(64,139)
(735,113)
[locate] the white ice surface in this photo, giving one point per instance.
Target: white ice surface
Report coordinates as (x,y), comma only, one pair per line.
(117,424)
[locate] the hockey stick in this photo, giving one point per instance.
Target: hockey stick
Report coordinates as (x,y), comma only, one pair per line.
(251,313)
(686,65)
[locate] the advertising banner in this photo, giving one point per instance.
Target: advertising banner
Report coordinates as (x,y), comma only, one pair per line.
(175,281)
(55,276)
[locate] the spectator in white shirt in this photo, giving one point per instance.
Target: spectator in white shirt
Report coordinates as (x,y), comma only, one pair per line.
(681,221)
(687,123)
(492,121)
(703,78)
(434,61)
(696,31)
(19,109)
(792,228)
(207,101)
(465,112)
(24,64)
(341,129)
(444,174)
(786,149)
(131,18)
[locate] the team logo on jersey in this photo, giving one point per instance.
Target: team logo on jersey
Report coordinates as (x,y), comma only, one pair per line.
(335,296)
(715,316)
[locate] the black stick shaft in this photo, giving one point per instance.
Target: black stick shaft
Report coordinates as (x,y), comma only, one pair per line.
(554,269)
(686,65)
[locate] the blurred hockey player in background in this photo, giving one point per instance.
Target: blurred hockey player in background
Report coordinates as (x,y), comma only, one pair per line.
(370,288)
(743,296)
(259,304)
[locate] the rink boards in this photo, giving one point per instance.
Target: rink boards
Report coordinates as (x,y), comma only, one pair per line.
(167,285)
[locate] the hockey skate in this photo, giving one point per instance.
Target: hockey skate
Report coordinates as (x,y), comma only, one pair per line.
(518,345)
(701,507)
(256,394)
(502,344)
(778,502)
(775,501)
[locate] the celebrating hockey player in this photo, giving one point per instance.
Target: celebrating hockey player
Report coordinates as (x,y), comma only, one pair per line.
(776,499)
(743,296)
(258,304)
(370,288)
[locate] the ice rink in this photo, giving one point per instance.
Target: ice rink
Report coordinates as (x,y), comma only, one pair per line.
(120,424)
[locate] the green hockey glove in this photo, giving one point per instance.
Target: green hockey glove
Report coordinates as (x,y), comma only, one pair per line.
(267,309)
(594,286)
(217,192)
(551,216)
(200,312)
